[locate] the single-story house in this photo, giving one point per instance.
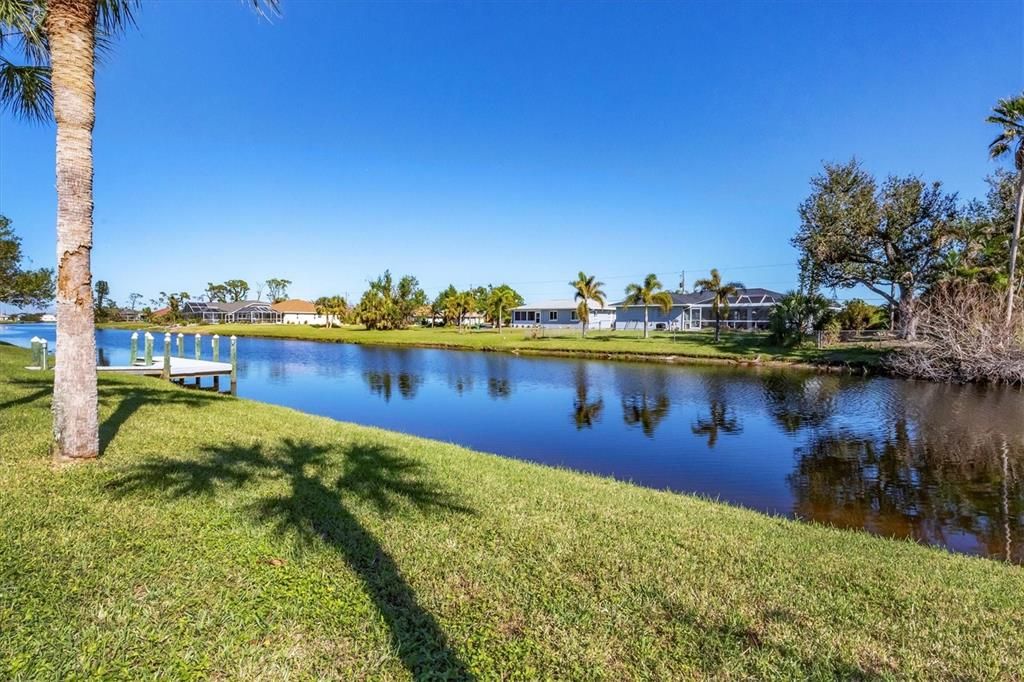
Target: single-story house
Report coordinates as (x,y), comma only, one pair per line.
(561,313)
(48,317)
(298,311)
(237,311)
(129,315)
(748,309)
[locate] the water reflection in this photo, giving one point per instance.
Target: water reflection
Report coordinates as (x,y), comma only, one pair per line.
(931,474)
(646,410)
(797,401)
(721,419)
(383,384)
(499,387)
(586,410)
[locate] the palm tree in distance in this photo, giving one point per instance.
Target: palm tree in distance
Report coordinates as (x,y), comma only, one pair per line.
(648,294)
(721,293)
(58,39)
(1009,114)
(588,291)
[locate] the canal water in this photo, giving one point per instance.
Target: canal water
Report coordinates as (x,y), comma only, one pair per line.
(937,463)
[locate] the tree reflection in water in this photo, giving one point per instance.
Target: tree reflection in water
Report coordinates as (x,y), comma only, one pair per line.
(384,384)
(585,412)
(720,420)
(646,410)
(797,401)
(934,474)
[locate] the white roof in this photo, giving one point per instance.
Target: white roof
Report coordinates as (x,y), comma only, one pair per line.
(563,304)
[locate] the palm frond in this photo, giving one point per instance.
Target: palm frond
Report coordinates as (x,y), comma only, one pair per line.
(113,17)
(26,91)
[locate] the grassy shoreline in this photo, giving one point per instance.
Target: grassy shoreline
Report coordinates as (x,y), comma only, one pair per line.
(741,347)
(219,537)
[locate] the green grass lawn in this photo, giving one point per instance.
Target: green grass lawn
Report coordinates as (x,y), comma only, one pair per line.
(222,538)
(742,346)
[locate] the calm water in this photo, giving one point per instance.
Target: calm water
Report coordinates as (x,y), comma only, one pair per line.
(941,464)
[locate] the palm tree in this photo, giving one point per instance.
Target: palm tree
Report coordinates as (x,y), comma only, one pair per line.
(58,39)
(500,301)
(648,294)
(332,308)
(720,301)
(588,291)
(1009,114)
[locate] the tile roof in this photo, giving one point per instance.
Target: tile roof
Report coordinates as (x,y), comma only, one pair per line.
(295,305)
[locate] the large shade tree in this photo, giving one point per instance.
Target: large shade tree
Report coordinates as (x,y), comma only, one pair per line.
(55,77)
(892,239)
(1009,114)
(20,286)
(720,293)
(588,292)
(648,293)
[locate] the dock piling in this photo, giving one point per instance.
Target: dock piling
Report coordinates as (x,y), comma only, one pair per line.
(37,345)
(149,349)
(199,346)
(133,356)
(234,364)
(167,357)
(216,347)
(44,354)
(181,345)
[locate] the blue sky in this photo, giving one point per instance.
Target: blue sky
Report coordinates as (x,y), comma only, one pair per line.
(485,142)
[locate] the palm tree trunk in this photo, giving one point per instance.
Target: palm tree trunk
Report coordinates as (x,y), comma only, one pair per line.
(71,28)
(1014,247)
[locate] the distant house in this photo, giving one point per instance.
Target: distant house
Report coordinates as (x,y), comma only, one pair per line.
(297,311)
(128,315)
(748,309)
(249,312)
(47,317)
(561,313)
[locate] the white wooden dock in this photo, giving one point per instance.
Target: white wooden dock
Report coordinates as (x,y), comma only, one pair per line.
(180,368)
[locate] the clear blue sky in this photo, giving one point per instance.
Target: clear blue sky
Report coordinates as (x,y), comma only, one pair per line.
(519,142)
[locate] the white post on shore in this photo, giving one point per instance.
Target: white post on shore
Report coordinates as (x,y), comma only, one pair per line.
(149,349)
(199,346)
(234,364)
(134,349)
(181,345)
(216,347)
(166,374)
(36,346)
(44,353)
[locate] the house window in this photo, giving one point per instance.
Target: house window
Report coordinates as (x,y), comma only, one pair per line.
(519,316)
(552,316)
(574,316)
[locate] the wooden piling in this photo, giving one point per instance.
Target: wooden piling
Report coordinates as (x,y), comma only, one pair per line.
(44,354)
(181,345)
(149,349)
(234,365)
(216,347)
(37,345)
(199,346)
(133,356)
(167,356)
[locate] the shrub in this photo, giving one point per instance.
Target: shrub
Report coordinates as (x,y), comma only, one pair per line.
(963,337)
(798,316)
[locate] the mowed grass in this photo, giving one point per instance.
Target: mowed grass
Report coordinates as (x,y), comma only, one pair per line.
(738,346)
(227,539)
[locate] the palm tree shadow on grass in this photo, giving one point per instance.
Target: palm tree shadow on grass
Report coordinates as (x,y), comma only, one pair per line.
(129,399)
(316,511)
